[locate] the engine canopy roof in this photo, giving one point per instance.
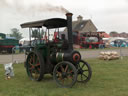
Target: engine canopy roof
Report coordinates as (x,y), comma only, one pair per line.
(48,23)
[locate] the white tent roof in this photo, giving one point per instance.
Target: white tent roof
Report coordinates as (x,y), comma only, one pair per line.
(106,38)
(116,38)
(26,39)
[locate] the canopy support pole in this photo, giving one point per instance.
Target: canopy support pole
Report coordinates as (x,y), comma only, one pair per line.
(30,35)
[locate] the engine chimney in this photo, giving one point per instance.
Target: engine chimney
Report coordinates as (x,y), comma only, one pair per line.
(69,30)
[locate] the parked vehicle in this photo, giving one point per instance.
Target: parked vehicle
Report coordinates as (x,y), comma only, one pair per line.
(119,43)
(91,40)
(6,44)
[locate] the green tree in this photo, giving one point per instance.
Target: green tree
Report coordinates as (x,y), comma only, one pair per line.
(15,33)
(37,34)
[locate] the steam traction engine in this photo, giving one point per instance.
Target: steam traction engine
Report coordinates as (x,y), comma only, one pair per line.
(56,57)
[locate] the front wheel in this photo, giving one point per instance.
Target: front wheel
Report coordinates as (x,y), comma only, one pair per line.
(65,74)
(84,72)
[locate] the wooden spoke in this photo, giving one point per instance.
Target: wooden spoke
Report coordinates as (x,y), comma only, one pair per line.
(39,69)
(31,68)
(59,74)
(60,78)
(69,72)
(30,63)
(33,58)
(62,69)
(38,64)
(66,68)
(70,77)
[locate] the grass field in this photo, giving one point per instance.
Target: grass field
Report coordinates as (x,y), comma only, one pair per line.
(105,49)
(109,78)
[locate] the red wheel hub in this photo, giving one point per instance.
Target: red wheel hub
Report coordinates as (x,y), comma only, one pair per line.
(76,57)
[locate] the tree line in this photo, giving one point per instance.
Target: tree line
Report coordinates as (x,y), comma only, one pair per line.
(18,35)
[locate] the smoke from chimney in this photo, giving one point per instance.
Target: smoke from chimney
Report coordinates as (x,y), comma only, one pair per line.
(3,3)
(15,12)
(20,7)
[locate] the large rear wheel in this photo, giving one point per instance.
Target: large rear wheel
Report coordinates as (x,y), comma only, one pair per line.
(84,72)
(35,66)
(65,74)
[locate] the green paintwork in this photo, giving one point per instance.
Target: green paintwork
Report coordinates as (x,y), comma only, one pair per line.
(56,57)
(7,42)
(43,49)
(59,57)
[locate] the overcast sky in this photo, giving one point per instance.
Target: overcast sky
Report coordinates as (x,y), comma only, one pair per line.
(107,15)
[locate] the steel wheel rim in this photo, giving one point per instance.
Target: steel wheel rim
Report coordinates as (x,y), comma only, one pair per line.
(65,74)
(84,72)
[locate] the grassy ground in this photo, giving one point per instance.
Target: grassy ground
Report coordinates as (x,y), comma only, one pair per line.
(110,78)
(112,48)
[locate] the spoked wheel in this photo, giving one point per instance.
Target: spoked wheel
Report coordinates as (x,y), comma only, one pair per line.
(35,66)
(84,72)
(65,74)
